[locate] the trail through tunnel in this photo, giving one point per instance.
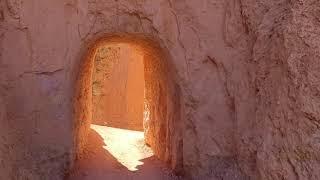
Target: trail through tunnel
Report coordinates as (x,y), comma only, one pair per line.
(118,103)
(130,109)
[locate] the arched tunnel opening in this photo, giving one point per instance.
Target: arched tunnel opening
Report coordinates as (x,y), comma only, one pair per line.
(127,108)
(118,104)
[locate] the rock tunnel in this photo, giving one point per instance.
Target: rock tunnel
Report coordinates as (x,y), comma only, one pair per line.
(231,88)
(160,117)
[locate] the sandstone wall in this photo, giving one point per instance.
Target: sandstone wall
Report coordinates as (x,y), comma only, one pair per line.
(285,54)
(248,71)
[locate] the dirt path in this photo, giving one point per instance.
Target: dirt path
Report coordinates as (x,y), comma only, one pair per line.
(118,154)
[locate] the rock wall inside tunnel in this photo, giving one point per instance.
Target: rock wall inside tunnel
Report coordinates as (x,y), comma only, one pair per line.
(118,88)
(247,73)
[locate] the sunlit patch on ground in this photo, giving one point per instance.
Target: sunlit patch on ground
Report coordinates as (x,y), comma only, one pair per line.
(126,146)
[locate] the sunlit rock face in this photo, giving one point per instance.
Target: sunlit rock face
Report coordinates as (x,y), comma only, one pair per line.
(247,70)
(118,87)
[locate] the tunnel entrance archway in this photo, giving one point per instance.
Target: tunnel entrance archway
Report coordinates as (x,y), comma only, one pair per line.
(162,122)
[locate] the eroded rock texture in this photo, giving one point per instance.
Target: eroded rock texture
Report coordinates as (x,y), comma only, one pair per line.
(247,73)
(285,54)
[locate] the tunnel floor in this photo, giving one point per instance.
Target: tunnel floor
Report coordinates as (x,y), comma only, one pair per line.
(114,153)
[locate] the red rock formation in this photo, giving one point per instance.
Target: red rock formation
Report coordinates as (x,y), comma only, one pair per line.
(233,85)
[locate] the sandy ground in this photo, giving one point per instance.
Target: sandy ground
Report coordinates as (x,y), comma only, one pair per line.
(118,154)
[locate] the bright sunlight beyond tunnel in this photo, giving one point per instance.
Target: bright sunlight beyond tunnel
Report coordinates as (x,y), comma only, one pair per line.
(118,103)
(127,146)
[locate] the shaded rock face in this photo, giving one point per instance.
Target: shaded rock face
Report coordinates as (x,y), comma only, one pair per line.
(286,57)
(241,92)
